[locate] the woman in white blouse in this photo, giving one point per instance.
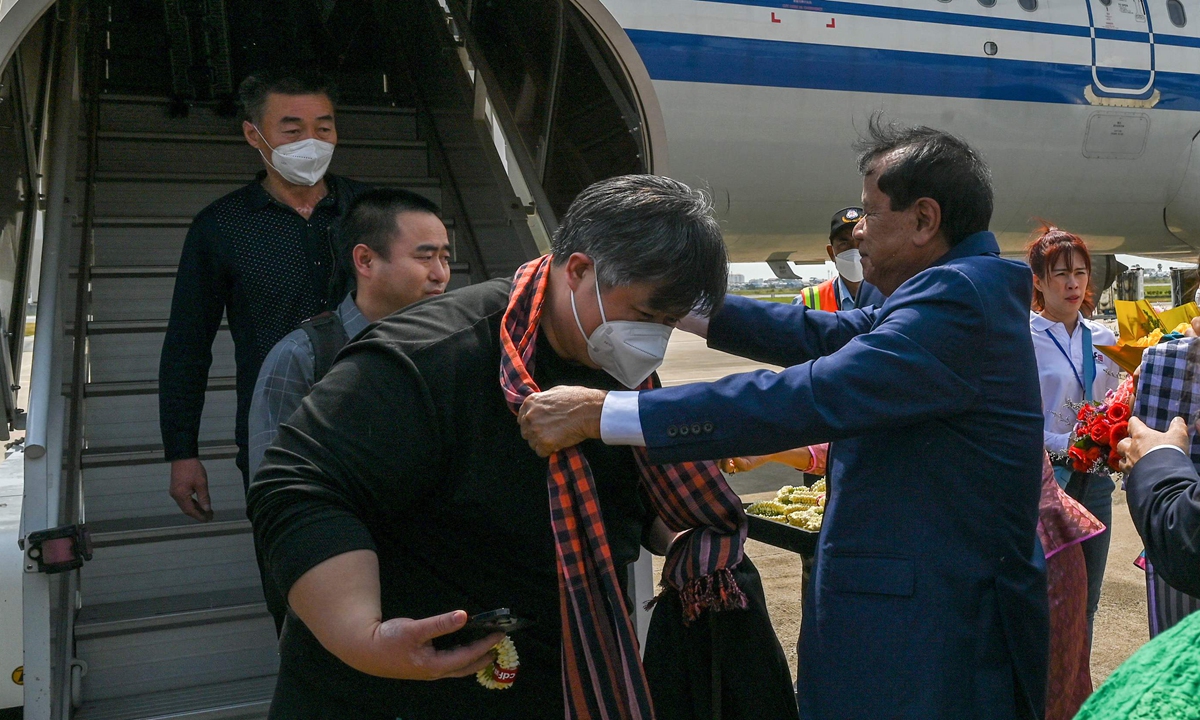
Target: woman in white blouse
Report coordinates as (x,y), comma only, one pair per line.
(1071,371)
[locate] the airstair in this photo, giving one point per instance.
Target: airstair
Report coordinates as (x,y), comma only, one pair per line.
(172,617)
(168,618)
(130,134)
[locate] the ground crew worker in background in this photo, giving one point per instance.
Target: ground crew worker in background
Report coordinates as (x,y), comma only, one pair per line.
(847,290)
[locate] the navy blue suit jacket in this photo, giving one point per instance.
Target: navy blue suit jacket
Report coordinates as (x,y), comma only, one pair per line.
(929,587)
(1163,490)
(869,296)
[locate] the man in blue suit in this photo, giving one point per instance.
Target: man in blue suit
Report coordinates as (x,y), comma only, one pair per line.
(929,587)
(1163,490)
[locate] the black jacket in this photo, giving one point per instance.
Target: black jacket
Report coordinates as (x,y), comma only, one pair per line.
(407,447)
(265,268)
(1163,490)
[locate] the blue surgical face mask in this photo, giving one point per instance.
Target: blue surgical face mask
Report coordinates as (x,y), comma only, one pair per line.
(629,351)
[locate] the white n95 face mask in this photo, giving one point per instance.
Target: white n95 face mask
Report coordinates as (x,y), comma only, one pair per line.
(303,162)
(629,351)
(849,265)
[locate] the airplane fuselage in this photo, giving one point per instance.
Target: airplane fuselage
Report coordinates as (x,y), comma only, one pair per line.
(1086,111)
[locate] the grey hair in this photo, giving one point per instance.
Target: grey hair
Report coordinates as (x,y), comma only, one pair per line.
(649,229)
(254,90)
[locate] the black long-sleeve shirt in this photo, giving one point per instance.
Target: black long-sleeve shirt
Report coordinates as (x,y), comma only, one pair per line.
(256,260)
(1163,490)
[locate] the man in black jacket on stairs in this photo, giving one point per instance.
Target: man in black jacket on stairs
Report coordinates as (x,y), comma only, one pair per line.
(265,256)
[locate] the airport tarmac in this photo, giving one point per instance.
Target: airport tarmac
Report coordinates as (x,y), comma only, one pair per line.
(1121,626)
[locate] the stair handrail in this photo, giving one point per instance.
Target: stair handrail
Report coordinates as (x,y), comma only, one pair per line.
(46,598)
(527,182)
(91,90)
(43,465)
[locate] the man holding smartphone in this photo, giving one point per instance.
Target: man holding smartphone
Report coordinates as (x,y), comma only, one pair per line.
(401,497)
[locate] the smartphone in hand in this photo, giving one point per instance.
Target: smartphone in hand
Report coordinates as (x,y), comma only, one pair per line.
(484,624)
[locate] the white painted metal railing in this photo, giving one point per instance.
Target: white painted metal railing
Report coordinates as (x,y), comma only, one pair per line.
(502,131)
(45,597)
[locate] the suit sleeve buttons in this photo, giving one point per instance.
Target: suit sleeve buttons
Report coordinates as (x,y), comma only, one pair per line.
(672,431)
(696,428)
(708,427)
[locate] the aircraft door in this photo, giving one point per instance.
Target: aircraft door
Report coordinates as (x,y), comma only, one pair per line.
(577,115)
(1122,48)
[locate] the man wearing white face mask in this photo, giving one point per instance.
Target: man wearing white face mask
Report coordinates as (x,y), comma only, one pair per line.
(847,290)
(265,256)
(401,488)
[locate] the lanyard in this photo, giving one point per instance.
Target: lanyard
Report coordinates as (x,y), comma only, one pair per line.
(1089,361)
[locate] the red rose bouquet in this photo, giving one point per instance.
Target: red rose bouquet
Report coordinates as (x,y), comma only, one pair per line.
(1098,429)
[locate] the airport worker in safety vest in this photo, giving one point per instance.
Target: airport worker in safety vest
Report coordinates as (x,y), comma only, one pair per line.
(847,290)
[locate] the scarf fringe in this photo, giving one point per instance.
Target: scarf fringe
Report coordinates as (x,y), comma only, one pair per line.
(716,592)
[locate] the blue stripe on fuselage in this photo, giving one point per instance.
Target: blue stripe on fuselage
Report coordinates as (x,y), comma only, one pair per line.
(1126,35)
(836,7)
(887,12)
(1180,40)
(739,61)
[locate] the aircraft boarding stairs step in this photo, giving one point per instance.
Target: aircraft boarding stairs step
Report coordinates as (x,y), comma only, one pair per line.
(173,622)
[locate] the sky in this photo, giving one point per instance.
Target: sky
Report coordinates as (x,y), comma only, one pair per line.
(762,272)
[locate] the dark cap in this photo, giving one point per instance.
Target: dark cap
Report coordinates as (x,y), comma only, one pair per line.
(845,216)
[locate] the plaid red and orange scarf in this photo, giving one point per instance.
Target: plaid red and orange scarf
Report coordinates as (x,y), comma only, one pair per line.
(602,670)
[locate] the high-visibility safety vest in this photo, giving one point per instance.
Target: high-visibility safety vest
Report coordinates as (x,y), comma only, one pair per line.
(820,297)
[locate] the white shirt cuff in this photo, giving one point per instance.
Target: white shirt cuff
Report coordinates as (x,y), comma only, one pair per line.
(620,422)
(1160,447)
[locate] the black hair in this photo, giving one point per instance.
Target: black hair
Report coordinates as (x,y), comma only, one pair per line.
(371,219)
(253,92)
(934,164)
(648,228)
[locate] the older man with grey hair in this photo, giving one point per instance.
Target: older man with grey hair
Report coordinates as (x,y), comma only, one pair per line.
(400,497)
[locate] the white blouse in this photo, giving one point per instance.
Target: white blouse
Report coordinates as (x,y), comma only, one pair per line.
(1059,383)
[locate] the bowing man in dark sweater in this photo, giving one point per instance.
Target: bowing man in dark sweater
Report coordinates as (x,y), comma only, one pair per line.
(401,497)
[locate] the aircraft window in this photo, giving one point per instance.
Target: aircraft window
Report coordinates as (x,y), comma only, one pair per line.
(988,3)
(989,48)
(1176,13)
(1029,5)
(1106,3)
